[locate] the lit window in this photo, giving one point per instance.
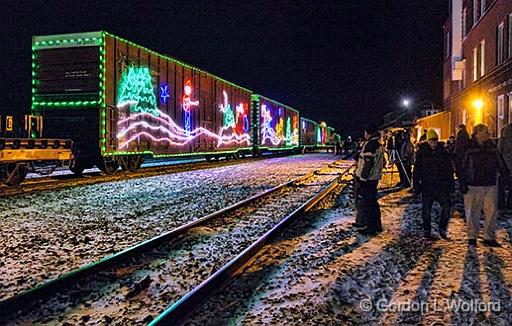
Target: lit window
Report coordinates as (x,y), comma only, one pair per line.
(501,113)
(464,75)
(482,58)
(510,108)
(475,64)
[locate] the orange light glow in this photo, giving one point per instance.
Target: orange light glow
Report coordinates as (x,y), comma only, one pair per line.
(478,104)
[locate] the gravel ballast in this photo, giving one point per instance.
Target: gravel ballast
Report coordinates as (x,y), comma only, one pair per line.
(48,233)
(323,272)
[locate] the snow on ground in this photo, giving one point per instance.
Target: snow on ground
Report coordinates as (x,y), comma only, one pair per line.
(322,272)
(45,234)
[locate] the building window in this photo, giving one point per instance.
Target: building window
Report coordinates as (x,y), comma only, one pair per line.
(464,75)
(464,22)
(482,58)
(510,36)
(482,7)
(501,113)
(499,44)
(474,64)
(448,49)
(475,12)
(510,108)
(447,83)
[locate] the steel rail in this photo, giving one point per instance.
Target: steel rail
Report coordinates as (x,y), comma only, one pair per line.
(22,301)
(178,312)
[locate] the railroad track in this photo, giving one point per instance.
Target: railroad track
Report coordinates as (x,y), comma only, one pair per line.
(69,180)
(179,267)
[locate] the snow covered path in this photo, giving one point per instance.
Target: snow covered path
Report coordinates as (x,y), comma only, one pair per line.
(45,234)
(323,272)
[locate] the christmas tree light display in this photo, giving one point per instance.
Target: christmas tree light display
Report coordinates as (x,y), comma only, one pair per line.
(295,127)
(289,132)
(136,91)
(225,108)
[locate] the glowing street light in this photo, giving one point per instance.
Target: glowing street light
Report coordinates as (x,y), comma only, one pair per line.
(478,104)
(406,103)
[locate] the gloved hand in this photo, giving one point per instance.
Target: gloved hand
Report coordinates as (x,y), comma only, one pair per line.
(463,189)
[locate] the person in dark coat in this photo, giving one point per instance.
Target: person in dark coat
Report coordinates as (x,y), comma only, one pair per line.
(406,153)
(462,141)
(478,174)
(433,178)
(368,174)
(450,146)
(505,183)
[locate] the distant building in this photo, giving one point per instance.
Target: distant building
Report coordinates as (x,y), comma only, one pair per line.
(477,68)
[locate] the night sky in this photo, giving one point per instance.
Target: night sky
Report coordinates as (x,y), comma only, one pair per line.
(347,61)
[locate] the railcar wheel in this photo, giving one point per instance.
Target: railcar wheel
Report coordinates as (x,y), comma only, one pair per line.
(15,173)
(77,167)
(108,165)
(131,163)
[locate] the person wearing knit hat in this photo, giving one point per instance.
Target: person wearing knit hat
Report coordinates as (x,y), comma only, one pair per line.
(433,178)
(432,134)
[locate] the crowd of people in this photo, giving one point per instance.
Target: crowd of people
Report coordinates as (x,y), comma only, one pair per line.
(431,167)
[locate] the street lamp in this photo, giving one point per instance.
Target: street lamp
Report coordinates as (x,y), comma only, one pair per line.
(478,104)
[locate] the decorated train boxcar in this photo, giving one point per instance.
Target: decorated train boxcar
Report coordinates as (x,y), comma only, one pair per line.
(278,124)
(119,101)
(308,132)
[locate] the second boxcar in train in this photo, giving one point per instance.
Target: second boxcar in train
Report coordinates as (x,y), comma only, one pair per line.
(277,126)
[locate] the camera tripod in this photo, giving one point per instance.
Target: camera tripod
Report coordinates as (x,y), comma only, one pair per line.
(393,157)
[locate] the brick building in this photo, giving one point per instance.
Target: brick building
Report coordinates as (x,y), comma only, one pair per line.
(477,68)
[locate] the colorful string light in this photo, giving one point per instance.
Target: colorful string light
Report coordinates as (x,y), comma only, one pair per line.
(137,91)
(278,135)
(225,108)
(187,104)
(149,120)
(164,94)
